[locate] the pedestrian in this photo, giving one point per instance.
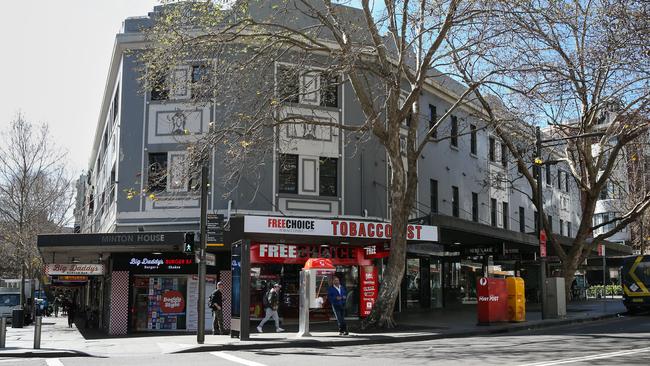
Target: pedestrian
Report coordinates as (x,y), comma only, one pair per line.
(337,296)
(216,304)
(271,302)
(71,313)
(56,305)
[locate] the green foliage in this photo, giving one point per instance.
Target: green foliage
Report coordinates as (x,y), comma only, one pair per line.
(597,290)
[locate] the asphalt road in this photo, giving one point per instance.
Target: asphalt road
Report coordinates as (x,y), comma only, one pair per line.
(620,341)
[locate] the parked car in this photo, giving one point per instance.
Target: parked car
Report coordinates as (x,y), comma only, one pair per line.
(9,300)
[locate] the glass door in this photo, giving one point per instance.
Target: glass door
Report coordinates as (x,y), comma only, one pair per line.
(412,282)
(435,281)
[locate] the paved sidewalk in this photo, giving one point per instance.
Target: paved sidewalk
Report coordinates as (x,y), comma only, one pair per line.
(60,341)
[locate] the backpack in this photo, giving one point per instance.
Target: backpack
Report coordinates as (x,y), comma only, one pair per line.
(266,299)
(212,299)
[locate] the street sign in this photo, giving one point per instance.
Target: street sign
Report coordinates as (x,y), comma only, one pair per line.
(214,230)
(210,259)
(542,243)
(601,250)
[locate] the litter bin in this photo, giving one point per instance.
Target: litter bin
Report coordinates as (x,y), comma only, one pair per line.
(516,299)
(17,318)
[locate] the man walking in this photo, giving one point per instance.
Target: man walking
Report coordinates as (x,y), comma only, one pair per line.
(271,302)
(337,296)
(216,304)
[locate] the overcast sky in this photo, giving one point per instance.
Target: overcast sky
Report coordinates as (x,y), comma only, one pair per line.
(54,63)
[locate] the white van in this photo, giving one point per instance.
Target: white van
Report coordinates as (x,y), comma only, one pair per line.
(9,300)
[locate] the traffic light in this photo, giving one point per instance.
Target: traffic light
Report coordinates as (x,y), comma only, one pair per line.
(188,243)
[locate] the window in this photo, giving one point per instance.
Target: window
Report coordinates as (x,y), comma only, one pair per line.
(561,227)
(493,212)
(455,206)
(522,219)
(157,177)
(116,103)
(550,223)
(433,118)
(433,192)
(491,152)
(559,179)
(474,207)
(454,131)
(328,174)
(288,82)
(472,145)
(200,73)
(505,215)
(504,155)
(604,193)
(288,167)
(568,229)
(159,88)
(536,223)
(329,90)
(178,172)
(566,182)
(548,174)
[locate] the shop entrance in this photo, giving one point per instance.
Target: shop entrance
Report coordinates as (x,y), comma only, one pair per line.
(423,283)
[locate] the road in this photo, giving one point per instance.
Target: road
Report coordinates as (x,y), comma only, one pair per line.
(619,341)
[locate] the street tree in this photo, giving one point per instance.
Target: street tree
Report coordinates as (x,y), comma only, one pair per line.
(387,52)
(581,70)
(36,194)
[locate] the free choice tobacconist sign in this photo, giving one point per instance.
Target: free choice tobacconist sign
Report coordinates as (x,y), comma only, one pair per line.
(335,228)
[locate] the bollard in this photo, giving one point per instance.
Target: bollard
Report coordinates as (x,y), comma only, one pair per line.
(37,332)
(3,332)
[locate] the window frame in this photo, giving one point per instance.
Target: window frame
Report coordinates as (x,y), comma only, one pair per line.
(473,141)
(282,159)
(335,176)
(455,201)
(453,136)
(475,216)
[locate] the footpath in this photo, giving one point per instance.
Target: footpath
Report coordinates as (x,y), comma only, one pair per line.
(57,340)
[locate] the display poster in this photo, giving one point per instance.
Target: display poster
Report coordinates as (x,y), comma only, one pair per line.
(369,289)
(193,300)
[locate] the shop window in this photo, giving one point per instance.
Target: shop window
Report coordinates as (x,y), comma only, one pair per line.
(522,219)
(454,131)
(288,84)
(474,206)
(159,303)
(328,177)
(473,139)
(157,177)
(493,211)
(455,204)
(288,164)
(506,216)
(433,195)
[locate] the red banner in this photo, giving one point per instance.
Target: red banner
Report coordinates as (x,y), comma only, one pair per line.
(341,255)
(368,290)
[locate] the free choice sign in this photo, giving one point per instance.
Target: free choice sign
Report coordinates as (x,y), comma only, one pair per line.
(334,228)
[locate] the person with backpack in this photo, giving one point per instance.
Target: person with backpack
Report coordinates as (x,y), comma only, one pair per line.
(216,304)
(271,302)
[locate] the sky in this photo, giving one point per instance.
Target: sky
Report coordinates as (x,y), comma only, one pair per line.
(54,64)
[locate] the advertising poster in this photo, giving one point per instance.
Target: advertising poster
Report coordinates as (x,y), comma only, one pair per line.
(369,289)
(193,300)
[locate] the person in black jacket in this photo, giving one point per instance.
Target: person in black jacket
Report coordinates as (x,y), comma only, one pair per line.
(216,304)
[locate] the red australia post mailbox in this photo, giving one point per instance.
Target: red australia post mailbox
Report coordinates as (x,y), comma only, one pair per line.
(492,296)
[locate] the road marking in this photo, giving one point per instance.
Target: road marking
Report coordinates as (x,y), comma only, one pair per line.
(236,359)
(53,362)
(588,358)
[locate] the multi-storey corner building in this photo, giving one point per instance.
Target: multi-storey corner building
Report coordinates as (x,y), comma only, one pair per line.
(470,226)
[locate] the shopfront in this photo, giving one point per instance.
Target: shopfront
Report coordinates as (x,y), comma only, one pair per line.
(280,247)
(162,291)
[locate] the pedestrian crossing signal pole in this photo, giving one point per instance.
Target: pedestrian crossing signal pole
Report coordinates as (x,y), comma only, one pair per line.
(541,235)
(200,334)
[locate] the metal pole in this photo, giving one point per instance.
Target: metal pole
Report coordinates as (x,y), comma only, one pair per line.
(22,286)
(3,332)
(37,332)
(245,290)
(604,281)
(540,219)
(200,334)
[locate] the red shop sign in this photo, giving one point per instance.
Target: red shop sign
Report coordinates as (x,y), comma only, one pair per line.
(375,251)
(172,302)
(369,290)
(300,253)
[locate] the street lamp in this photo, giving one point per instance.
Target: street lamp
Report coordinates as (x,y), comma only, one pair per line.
(540,199)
